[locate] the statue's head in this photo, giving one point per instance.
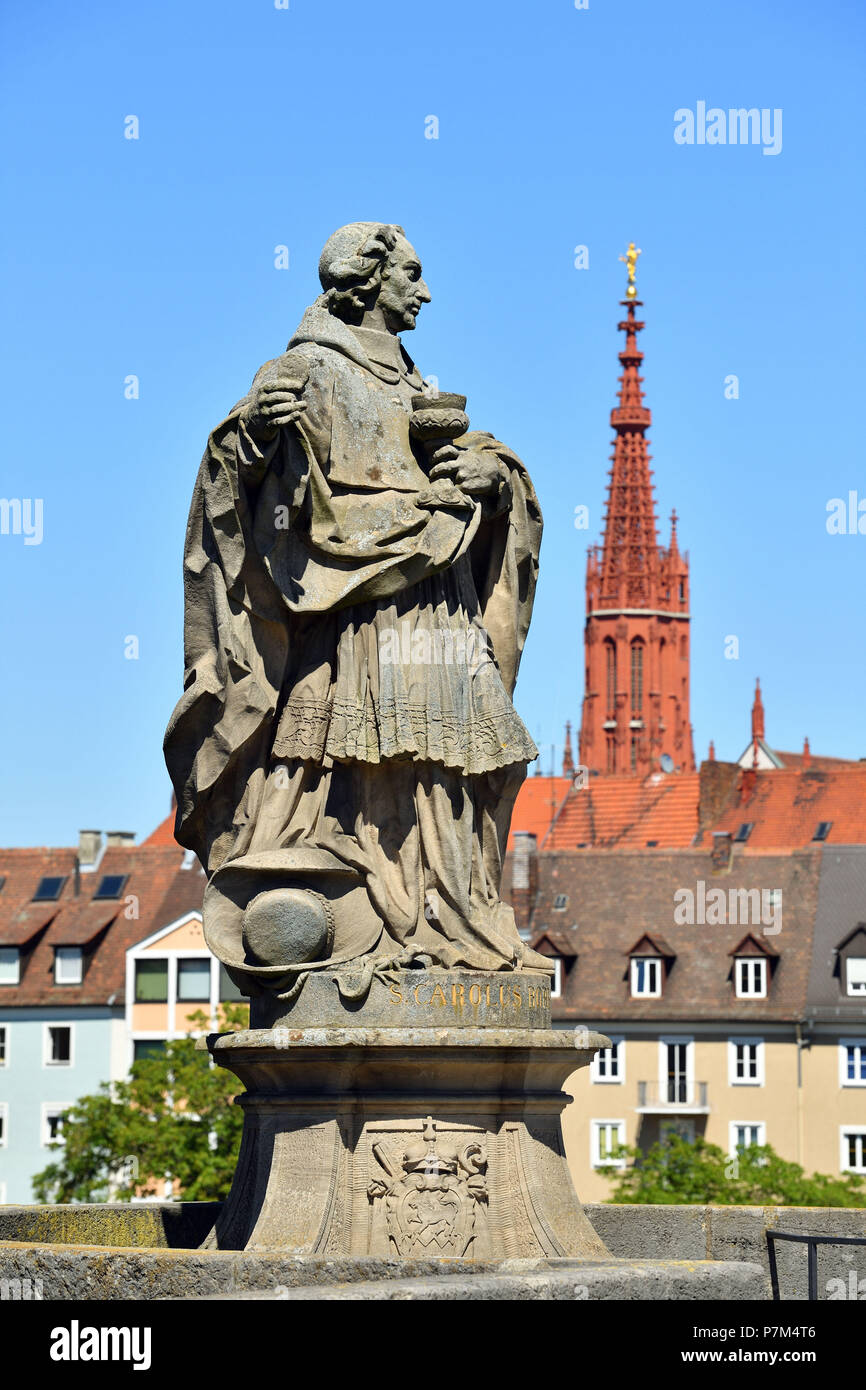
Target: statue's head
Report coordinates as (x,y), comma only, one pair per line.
(367,265)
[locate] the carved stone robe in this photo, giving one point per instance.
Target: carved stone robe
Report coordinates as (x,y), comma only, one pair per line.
(352,645)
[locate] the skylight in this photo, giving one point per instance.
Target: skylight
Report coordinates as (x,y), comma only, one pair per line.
(110,886)
(48,889)
(823,830)
(744,831)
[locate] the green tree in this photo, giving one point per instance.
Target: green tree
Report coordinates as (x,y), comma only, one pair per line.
(173,1117)
(680,1171)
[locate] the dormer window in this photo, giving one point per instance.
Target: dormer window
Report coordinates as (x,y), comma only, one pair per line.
(10,965)
(750,977)
(68,965)
(559,945)
(560,902)
(650,960)
(646,977)
(556,981)
(850,965)
(48,889)
(855,974)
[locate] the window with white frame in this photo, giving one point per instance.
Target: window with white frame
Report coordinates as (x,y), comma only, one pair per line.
(52,1124)
(608,1065)
(193,980)
(4,1045)
(556,981)
(151,980)
(57,1045)
(745,1133)
(68,965)
(4,1124)
(852,1061)
(646,977)
(745,1061)
(852,1158)
(677,1070)
(10,965)
(607,1136)
(750,977)
(855,974)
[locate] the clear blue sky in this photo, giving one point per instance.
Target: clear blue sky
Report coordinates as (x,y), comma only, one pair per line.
(261,127)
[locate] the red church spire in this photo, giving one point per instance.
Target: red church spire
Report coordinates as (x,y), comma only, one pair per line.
(673,548)
(758,713)
(636,699)
(629,555)
(567,756)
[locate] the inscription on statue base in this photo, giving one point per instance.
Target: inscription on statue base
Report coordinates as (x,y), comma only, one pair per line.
(417,999)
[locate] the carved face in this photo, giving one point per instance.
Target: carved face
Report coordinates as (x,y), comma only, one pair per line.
(402,291)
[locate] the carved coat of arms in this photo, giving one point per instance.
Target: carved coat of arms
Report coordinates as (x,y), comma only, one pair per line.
(432,1196)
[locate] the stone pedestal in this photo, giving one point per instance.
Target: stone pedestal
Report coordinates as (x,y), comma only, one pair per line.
(405,1142)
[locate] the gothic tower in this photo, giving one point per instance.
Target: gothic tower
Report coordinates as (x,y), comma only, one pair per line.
(636,639)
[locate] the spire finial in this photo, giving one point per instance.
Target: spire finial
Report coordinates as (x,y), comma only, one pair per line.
(757,714)
(567,756)
(630,259)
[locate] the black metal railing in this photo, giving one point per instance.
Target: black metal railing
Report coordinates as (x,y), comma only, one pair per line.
(812,1243)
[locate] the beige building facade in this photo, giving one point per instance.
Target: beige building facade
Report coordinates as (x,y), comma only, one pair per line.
(746,1030)
(806,1097)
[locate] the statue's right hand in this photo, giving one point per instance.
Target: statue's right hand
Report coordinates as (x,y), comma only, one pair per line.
(274,402)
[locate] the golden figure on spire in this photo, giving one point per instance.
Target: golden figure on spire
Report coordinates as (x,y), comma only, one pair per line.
(630,259)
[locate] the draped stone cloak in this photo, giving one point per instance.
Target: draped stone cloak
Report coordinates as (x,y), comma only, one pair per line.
(352,639)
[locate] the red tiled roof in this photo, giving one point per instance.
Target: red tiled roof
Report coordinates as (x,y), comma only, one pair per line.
(19,926)
(150,870)
(797,761)
(163,834)
(626,812)
(79,922)
(537,803)
(787,805)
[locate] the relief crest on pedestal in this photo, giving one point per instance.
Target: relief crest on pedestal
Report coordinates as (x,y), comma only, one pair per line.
(431,1194)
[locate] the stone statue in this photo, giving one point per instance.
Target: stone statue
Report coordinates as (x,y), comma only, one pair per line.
(359,573)
(359,578)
